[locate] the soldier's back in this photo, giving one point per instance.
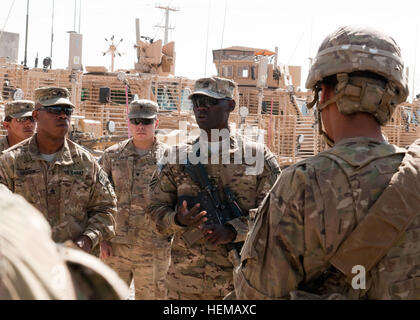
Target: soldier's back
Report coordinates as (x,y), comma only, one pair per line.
(314,208)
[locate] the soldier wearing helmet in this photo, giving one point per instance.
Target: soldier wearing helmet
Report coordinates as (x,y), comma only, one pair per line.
(329,227)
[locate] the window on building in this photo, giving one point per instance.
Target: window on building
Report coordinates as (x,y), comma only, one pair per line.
(227,71)
(243,71)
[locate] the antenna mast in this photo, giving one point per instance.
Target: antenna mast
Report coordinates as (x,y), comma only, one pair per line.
(223,28)
(26,36)
(80,12)
(166,27)
(52,32)
(415,63)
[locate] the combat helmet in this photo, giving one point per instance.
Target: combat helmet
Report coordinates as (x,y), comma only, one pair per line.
(353,49)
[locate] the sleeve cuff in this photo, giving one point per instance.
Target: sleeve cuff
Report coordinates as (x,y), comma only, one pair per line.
(93,236)
(172,222)
(241,226)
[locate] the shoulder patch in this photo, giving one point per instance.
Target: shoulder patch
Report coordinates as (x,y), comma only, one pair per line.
(273,164)
(103,178)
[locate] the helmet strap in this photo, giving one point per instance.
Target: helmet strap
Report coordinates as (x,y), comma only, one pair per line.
(323,133)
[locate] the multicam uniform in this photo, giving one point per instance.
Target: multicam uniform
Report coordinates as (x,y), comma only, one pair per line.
(32,266)
(202,271)
(15,109)
(139,252)
(355,205)
(4,144)
(311,212)
(72,192)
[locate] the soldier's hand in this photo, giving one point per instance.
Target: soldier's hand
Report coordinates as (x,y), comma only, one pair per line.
(105,250)
(218,234)
(193,217)
(84,243)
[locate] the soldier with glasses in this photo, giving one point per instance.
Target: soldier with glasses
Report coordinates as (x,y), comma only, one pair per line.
(137,252)
(60,178)
(18,122)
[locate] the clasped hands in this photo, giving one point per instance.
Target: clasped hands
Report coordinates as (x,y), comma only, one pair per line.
(215,235)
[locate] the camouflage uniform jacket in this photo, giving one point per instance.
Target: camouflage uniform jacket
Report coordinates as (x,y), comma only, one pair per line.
(4,144)
(30,266)
(202,268)
(130,175)
(314,206)
(72,192)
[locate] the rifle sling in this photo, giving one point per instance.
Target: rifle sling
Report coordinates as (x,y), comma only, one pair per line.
(386,220)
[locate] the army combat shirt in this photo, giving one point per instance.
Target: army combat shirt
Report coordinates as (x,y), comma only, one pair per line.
(72,192)
(202,268)
(4,144)
(313,207)
(130,175)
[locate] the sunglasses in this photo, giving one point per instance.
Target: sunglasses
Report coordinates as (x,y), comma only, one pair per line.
(204,101)
(58,109)
(24,119)
(137,121)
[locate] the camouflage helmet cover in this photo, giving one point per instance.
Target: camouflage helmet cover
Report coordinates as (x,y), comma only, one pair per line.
(358,48)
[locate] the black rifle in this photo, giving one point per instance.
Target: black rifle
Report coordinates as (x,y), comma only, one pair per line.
(209,200)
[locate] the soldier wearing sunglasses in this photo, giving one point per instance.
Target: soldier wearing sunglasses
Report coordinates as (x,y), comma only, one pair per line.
(60,178)
(137,252)
(18,122)
(201,265)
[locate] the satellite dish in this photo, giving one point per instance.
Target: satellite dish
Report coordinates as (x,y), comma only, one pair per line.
(121,76)
(110,126)
(243,112)
(187,91)
(18,94)
(300,138)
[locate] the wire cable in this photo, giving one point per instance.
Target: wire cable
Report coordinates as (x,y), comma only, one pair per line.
(7,19)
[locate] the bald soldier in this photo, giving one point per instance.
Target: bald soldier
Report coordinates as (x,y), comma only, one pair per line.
(206,245)
(33,267)
(137,252)
(60,178)
(345,223)
(18,122)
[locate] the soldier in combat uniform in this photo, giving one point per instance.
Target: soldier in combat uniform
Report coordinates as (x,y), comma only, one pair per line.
(18,122)
(137,252)
(60,178)
(201,264)
(33,267)
(343,224)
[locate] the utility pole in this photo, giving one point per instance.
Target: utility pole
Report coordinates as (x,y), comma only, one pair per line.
(166,27)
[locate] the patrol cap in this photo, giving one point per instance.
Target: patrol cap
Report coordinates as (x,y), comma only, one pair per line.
(52,96)
(18,109)
(143,108)
(215,87)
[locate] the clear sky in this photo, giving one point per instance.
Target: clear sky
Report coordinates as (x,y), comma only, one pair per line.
(297,27)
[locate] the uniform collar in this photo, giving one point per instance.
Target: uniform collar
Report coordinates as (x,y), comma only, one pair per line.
(362,150)
(233,142)
(129,149)
(5,142)
(62,157)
